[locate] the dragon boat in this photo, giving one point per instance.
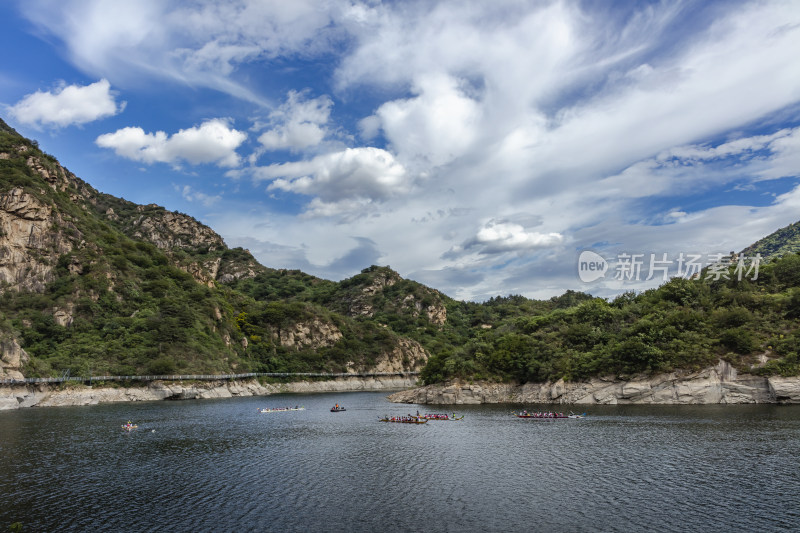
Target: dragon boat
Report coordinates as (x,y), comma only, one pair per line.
(404,419)
(280,409)
(433,416)
(547,415)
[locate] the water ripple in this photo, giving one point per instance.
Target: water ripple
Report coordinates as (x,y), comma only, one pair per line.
(223,466)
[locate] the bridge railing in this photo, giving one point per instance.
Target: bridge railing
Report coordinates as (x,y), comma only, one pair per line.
(203,377)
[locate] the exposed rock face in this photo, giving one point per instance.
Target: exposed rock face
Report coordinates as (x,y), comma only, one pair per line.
(230,271)
(32,233)
(169,231)
(435,313)
(408,356)
(31,240)
(63,317)
(205,273)
(315,334)
(12,358)
(56,176)
(361,305)
(718,384)
(42,395)
(785,390)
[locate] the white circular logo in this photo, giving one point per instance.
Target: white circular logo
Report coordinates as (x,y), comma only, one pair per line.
(591,266)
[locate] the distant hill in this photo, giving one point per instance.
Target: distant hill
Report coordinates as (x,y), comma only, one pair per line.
(784,241)
(94,284)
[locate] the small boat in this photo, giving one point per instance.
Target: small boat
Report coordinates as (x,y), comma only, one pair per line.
(404,419)
(337,409)
(430,416)
(281,409)
(547,415)
(129,426)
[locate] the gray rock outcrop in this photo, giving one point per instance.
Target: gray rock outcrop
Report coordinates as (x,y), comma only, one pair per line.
(720,384)
(44,395)
(12,359)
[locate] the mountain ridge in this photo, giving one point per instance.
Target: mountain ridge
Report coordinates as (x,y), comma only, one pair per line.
(91,283)
(783,241)
(83,274)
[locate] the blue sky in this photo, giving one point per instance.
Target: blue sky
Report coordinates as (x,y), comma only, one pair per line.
(477,147)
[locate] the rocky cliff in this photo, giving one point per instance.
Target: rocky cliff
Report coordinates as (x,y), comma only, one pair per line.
(12,359)
(37,226)
(379,290)
(43,395)
(91,281)
(720,384)
(407,356)
(33,235)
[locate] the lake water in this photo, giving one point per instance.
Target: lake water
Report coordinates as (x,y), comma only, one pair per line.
(220,465)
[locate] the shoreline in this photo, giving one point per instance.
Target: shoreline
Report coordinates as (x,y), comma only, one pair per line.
(720,384)
(46,395)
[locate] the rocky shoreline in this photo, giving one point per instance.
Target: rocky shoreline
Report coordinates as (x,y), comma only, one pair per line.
(45,395)
(720,384)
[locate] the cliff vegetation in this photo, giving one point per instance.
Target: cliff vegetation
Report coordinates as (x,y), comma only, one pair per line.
(91,284)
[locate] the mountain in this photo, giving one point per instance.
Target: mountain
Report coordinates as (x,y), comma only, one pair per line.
(91,284)
(781,242)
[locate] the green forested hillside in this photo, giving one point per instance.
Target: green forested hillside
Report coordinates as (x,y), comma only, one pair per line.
(94,284)
(684,324)
(784,241)
(129,289)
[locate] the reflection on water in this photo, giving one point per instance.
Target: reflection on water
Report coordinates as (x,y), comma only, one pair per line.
(220,465)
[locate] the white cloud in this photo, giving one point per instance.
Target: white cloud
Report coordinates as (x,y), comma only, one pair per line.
(437,126)
(211,142)
(743,146)
(191,195)
(68,105)
(298,123)
(498,236)
(341,180)
(692,168)
(201,43)
(607,124)
(785,161)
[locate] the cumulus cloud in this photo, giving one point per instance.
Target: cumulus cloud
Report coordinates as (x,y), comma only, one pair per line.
(499,236)
(298,123)
(214,141)
(341,180)
(68,105)
(605,123)
(437,126)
